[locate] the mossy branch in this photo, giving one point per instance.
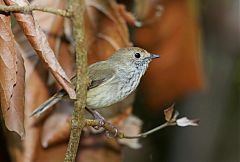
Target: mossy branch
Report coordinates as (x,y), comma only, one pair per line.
(77,7)
(171,117)
(109,128)
(30,8)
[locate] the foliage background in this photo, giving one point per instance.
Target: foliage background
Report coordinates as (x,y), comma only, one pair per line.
(205,86)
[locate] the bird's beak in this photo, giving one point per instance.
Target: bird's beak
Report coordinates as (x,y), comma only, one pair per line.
(153,56)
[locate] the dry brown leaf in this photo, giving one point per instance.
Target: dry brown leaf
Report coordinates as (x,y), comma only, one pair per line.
(131,126)
(175,36)
(56,133)
(56,128)
(18,97)
(110,10)
(40,44)
(59,134)
(66,58)
(46,20)
(99,148)
(128,16)
(118,118)
(12,75)
(35,85)
(168,113)
(106,29)
(53,130)
(104,41)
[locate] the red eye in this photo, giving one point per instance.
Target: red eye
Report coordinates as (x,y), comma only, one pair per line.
(137,55)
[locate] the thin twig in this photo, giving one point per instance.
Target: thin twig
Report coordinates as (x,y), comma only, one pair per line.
(78,7)
(110,128)
(145,134)
(30,8)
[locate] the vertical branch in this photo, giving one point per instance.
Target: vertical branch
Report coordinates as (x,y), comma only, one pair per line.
(77,8)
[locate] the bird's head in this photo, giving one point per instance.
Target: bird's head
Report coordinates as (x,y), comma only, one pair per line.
(133,56)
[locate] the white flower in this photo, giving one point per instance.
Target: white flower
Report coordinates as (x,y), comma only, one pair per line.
(183,122)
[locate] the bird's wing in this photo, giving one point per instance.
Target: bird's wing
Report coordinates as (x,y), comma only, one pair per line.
(100,73)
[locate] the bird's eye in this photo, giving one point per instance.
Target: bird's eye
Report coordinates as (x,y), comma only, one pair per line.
(137,55)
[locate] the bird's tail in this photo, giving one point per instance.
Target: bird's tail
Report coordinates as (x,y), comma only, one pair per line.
(49,103)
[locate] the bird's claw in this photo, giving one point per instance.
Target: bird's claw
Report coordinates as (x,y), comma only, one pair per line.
(101,123)
(112,133)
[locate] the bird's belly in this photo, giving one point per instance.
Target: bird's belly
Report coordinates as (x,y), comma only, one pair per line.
(112,92)
(103,96)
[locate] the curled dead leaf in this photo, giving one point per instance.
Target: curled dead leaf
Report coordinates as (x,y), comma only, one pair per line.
(102,41)
(12,81)
(39,42)
(52,134)
(35,85)
(169,28)
(132,126)
(128,16)
(168,113)
(56,128)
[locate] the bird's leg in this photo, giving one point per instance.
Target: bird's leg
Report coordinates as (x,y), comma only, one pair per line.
(97,116)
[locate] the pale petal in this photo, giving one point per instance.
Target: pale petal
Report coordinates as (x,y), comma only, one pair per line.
(183,122)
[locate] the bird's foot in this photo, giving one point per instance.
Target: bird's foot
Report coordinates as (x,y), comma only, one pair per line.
(101,120)
(112,133)
(97,116)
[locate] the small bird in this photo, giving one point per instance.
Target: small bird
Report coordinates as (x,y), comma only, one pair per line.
(111,80)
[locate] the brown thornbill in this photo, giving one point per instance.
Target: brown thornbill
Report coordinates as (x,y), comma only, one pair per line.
(110,81)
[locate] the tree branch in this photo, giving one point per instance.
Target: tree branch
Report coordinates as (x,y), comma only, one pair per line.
(30,8)
(170,117)
(77,7)
(108,127)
